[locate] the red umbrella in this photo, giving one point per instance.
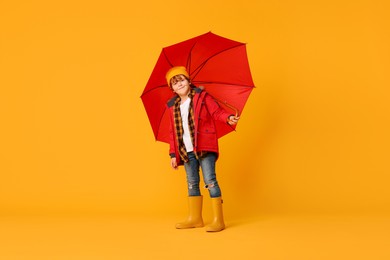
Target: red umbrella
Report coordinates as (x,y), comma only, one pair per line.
(218,64)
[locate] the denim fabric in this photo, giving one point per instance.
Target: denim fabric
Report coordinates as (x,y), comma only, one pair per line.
(207,164)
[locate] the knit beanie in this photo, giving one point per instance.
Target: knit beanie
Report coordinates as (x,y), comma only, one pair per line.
(174,71)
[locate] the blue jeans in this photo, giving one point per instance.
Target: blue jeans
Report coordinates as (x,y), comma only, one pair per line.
(207,164)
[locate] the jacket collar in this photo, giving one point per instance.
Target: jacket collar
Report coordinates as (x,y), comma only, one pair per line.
(172,101)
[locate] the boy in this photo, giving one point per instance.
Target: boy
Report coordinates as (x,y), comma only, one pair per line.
(194,143)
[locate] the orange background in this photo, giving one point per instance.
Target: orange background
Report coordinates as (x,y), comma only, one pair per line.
(314,135)
(75,139)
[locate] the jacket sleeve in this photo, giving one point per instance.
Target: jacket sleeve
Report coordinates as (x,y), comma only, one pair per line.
(215,110)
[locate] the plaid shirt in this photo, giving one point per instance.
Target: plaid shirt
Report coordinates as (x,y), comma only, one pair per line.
(179,127)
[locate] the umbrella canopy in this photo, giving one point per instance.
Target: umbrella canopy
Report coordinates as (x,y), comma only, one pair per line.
(218,64)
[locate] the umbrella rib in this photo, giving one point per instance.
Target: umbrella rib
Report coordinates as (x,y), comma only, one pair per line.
(190,56)
(166,57)
(224,83)
(189,59)
(202,82)
(146,92)
(199,68)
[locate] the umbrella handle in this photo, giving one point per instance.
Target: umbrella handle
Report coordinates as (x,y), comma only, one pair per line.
(229,106)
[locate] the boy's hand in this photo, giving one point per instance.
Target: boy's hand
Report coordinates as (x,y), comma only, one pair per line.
(174,163)
(232,120)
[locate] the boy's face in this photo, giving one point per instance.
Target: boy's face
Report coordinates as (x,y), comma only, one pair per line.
(180,85)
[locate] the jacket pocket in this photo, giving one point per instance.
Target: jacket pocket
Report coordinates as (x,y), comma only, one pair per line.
(207,139)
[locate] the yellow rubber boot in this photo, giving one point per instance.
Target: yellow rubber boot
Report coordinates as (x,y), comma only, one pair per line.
(194,219)
(218,223)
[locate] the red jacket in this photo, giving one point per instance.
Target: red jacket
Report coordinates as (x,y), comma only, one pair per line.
(206,110)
